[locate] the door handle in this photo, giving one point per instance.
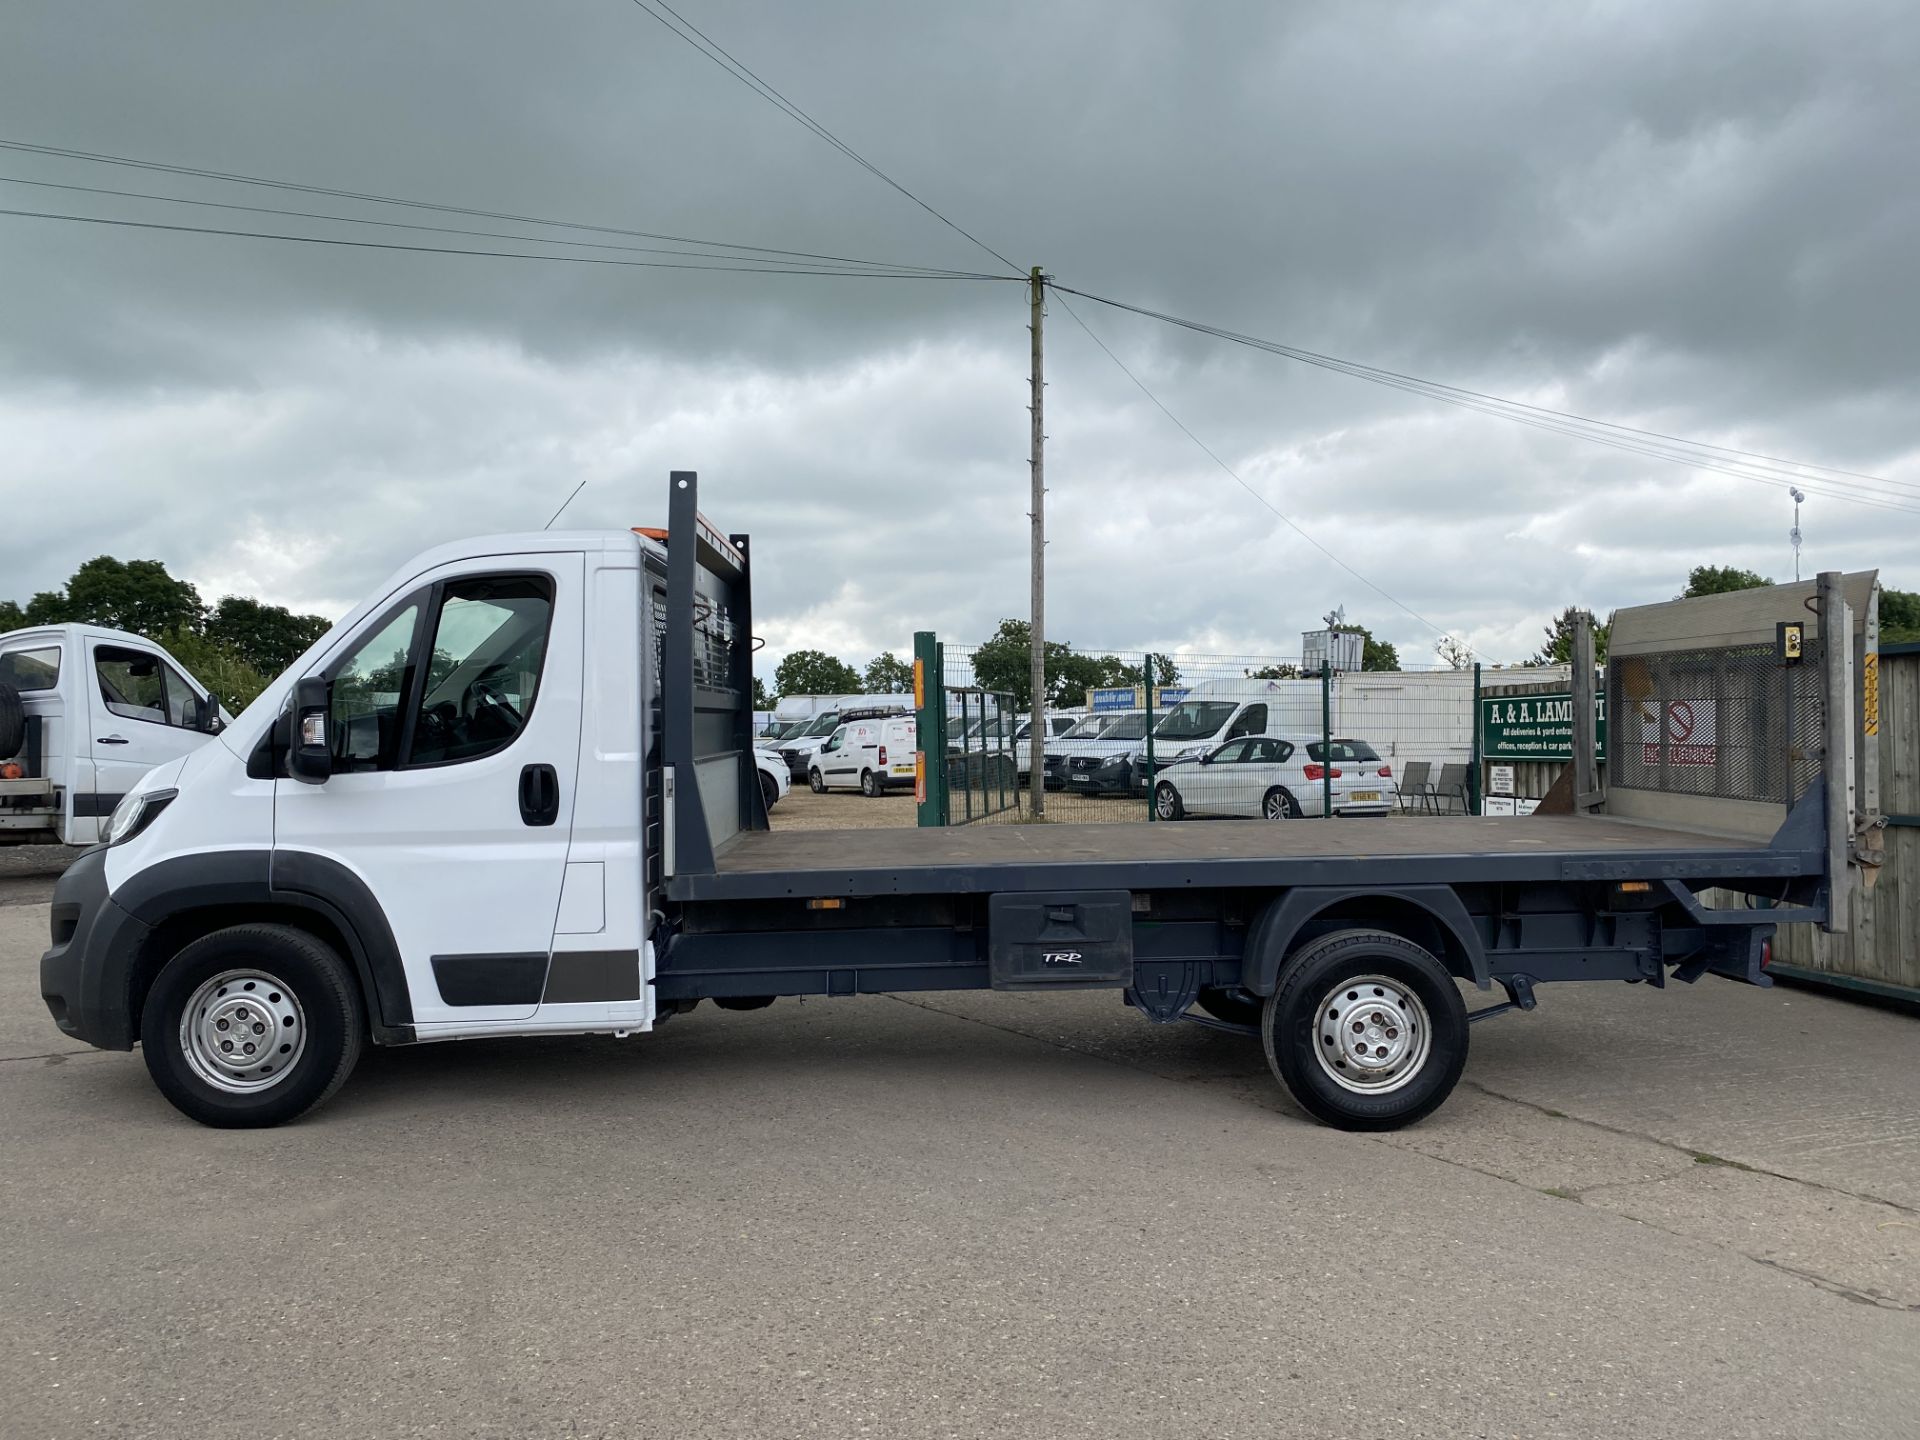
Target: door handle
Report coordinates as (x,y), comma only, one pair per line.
(113,740)
(539,795)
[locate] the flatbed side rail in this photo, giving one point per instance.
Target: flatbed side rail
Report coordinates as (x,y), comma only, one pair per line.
(709,788)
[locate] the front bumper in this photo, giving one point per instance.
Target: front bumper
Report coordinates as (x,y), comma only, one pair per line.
(86,975)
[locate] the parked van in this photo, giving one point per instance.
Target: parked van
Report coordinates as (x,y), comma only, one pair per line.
(872,756)
(1101,761)
(85,712)
(798,750)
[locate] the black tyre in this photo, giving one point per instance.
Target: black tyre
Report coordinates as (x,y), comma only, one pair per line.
(1234,1006)
(815,783)
(744,1002)
(13,722)
(251,1026)
(1166,802)
(870,785)
(769,790)
(1279,804)
(1366,1030)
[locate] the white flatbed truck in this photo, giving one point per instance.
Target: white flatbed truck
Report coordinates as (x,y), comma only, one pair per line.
(513,793)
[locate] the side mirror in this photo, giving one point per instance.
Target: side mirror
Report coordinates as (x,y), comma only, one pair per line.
(309,747)
(209,717)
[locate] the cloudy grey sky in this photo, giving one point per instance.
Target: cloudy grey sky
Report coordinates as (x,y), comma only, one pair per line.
(1696,218)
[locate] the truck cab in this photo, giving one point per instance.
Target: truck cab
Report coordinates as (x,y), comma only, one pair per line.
(85,711)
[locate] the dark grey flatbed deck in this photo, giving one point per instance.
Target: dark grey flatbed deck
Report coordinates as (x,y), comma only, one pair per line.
(1213,854)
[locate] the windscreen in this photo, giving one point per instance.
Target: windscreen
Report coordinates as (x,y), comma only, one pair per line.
(1195,719)
(823,724)
(1127,727)
(1090,728)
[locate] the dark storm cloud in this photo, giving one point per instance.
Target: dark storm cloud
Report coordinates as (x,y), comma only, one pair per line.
(1696,218)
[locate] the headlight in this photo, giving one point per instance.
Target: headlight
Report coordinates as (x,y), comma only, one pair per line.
(134,813)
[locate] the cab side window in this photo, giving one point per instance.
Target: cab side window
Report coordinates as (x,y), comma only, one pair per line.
(136,685)
(1251,721)
(369,688)
(483,668)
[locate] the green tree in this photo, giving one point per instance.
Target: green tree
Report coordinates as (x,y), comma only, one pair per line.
(1283,671)
(1899,615)
(12,617)
(1005,662)
(267,637)
(1720,580)
(1559,647)
(219,667)
(762,700)
(1377,654)
(814,672)
(135,595)
(888,674)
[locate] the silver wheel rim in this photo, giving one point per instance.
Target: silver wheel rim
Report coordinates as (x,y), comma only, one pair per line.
(243,1031)
(1277,807)
(1165,799)
(1371,1035)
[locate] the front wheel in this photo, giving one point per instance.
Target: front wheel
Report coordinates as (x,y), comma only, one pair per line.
(869,784)
(1166,802)
(769,790)
(253,1025)
(815,783)
(1366,1030)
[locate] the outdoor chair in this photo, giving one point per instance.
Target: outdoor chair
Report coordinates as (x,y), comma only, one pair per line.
(1449,792)
(1415,788)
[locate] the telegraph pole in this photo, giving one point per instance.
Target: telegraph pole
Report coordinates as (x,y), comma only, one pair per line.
(1036,450)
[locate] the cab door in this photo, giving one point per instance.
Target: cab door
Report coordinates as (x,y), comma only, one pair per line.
(141,712)
(454,726)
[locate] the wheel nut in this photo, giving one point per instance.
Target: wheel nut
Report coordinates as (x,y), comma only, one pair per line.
(226,1044)
(249,1047)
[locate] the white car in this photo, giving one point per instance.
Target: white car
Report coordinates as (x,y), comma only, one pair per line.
(774,779)
(871,756)
(1277,777)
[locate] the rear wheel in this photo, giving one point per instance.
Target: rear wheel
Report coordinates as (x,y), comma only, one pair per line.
(1279,804)
(815,783)
(252,1025)
(1366,1030)
(869,784)
(769,791)
(1166,802)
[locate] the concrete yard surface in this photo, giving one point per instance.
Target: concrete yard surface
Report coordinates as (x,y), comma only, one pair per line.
(1692,1214)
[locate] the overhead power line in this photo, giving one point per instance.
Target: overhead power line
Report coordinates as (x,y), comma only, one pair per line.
(233,177)
(415,225)
(1760,469)
(700,41)
(1241,481)
(728,269)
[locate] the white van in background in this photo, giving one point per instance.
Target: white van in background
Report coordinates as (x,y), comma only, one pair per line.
(872,756)
(798,750)
(1216,711)
(84,713)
